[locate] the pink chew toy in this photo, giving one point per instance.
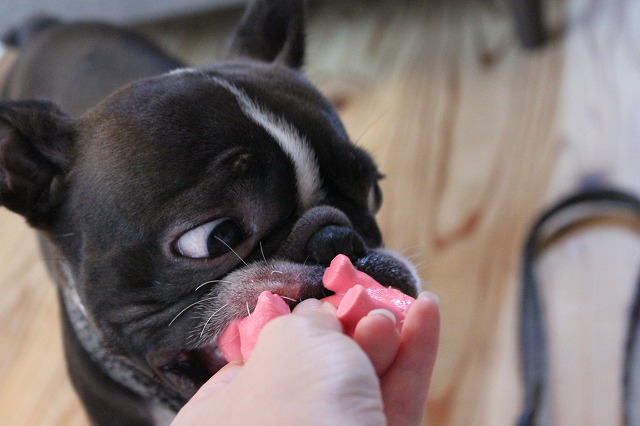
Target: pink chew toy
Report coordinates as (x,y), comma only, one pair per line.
(239,338)
(356,294)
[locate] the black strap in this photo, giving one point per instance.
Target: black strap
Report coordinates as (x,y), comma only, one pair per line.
(533,340)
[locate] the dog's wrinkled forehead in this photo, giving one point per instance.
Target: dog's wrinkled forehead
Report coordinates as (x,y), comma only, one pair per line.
(289,139)
(208,127)
(189,117)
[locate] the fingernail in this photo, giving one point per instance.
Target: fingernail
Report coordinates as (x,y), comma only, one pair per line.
(429,295)
(384,312)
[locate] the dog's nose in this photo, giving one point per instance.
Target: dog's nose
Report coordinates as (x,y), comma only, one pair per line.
(319,235)
(332,240)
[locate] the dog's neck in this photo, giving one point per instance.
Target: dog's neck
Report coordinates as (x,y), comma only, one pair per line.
(111,365)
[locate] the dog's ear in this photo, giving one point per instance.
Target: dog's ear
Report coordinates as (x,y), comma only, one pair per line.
(35,151)
(271,31)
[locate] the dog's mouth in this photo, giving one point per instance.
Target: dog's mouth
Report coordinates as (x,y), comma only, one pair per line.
(185,370)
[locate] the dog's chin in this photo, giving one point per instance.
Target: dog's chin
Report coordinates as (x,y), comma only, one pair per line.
(187,369)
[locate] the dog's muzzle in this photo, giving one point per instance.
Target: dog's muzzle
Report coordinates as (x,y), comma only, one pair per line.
(295,273)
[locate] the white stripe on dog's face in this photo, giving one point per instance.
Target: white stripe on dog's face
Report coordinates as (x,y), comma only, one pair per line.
(294,145)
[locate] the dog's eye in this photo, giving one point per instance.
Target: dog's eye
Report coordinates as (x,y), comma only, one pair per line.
(210,240)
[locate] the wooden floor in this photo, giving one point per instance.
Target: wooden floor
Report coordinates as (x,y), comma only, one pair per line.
(475,137)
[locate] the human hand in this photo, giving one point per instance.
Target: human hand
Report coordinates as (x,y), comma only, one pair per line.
(304,370)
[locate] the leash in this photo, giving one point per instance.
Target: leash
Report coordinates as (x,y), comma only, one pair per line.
(533,339)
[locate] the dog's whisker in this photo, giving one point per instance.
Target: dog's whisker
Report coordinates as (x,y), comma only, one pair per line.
(248,311)
(70,234)
(188,307)
(263,256)
(413,255)
(212,282)
(373,122)
(232,250)
(273,270)
(289,298)
(210,318)
(419,265)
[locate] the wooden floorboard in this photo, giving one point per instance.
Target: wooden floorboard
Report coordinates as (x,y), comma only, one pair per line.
(475,136)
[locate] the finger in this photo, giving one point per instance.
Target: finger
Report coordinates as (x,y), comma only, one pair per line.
(378,337)
(310,320)
(322,314)
(312,305)
(406,382)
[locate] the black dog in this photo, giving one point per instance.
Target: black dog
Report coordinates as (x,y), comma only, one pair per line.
(168,198)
